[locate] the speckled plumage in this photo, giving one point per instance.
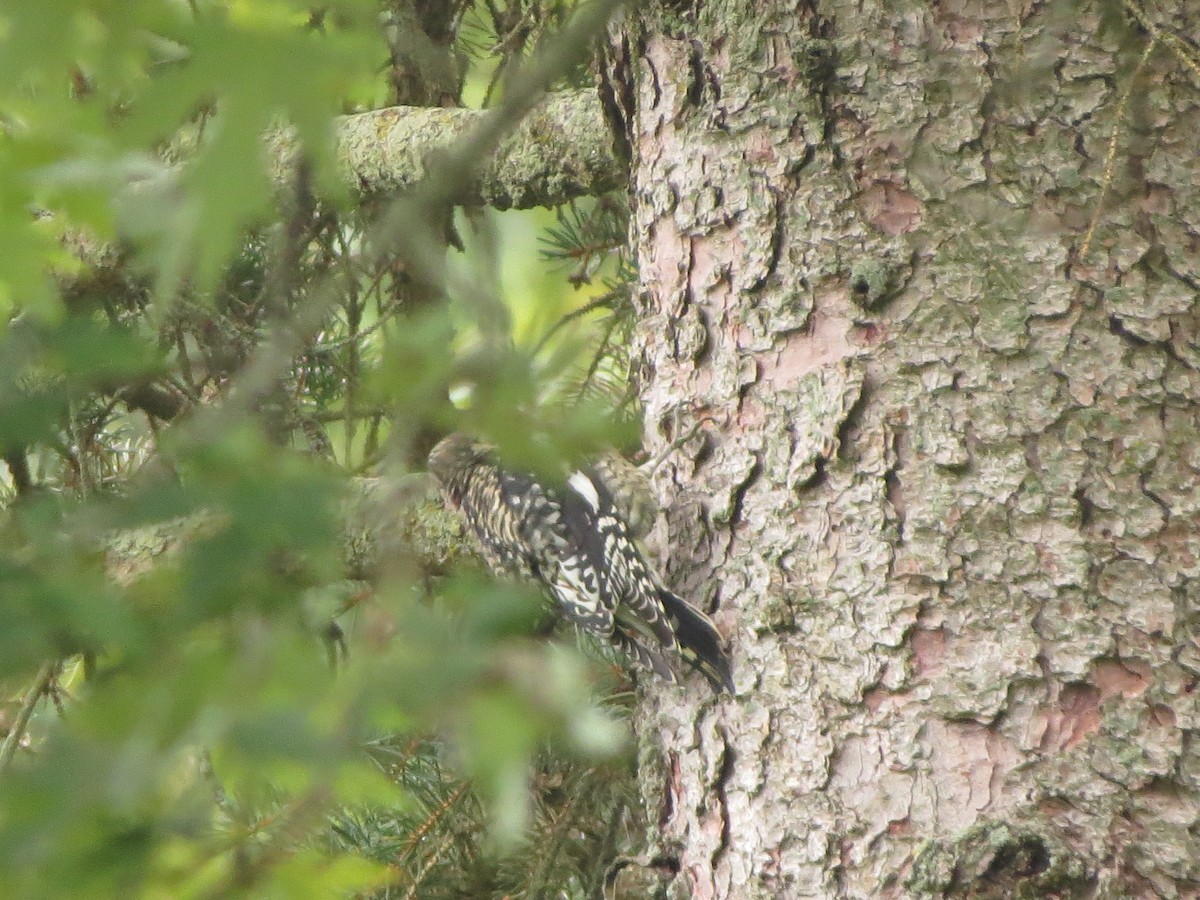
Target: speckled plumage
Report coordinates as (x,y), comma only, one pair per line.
(577,542)
(630,490)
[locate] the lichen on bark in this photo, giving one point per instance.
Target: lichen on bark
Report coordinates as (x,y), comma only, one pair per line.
(961,604)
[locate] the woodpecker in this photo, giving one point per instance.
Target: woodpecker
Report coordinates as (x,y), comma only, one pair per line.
(576,541)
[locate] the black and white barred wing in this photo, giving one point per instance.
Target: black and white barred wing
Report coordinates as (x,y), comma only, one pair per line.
(628,579)
(573,562)
(640,627)
(648,615)
(561,556)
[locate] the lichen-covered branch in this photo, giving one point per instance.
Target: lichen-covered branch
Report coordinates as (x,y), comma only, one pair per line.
(560,151)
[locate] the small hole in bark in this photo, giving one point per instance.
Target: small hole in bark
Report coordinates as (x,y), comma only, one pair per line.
(1020,859)
(668,863)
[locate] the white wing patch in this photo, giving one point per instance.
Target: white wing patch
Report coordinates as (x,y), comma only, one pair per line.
(582,485)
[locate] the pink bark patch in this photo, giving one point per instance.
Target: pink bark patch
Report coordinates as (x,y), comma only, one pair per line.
(875,698)
(668,259)
(824,344)
(1162,716)
(970,763)
(1073,718)
(892,209)
(1127,677)
(928,649)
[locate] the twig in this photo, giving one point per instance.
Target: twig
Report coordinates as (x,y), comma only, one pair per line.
(597,358)
(428,863)
(1186,53)
(598,303)
(1111,157)
(383,317)
(431,820)
(548,856)
(651,466)
(39,687)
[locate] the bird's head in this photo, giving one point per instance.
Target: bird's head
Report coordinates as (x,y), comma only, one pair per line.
(452,460)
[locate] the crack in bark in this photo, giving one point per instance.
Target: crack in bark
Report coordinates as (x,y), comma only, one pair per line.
(739,492)
(696,78)
(721,789)
(851,417)
(893,485)
(777,241)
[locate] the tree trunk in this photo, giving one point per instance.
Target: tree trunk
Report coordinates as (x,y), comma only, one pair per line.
(943,494)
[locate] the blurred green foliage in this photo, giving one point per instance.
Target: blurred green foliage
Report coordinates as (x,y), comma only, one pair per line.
(193,371)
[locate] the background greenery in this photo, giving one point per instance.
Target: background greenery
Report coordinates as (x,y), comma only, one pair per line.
(197,370)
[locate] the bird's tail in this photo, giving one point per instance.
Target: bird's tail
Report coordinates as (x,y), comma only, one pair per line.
(699,641)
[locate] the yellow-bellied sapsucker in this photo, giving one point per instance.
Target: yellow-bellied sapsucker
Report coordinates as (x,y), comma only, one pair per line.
(577,542)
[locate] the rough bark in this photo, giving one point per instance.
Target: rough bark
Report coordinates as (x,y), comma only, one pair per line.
(945,494)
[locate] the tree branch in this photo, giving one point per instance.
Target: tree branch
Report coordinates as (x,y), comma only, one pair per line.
(560,151)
